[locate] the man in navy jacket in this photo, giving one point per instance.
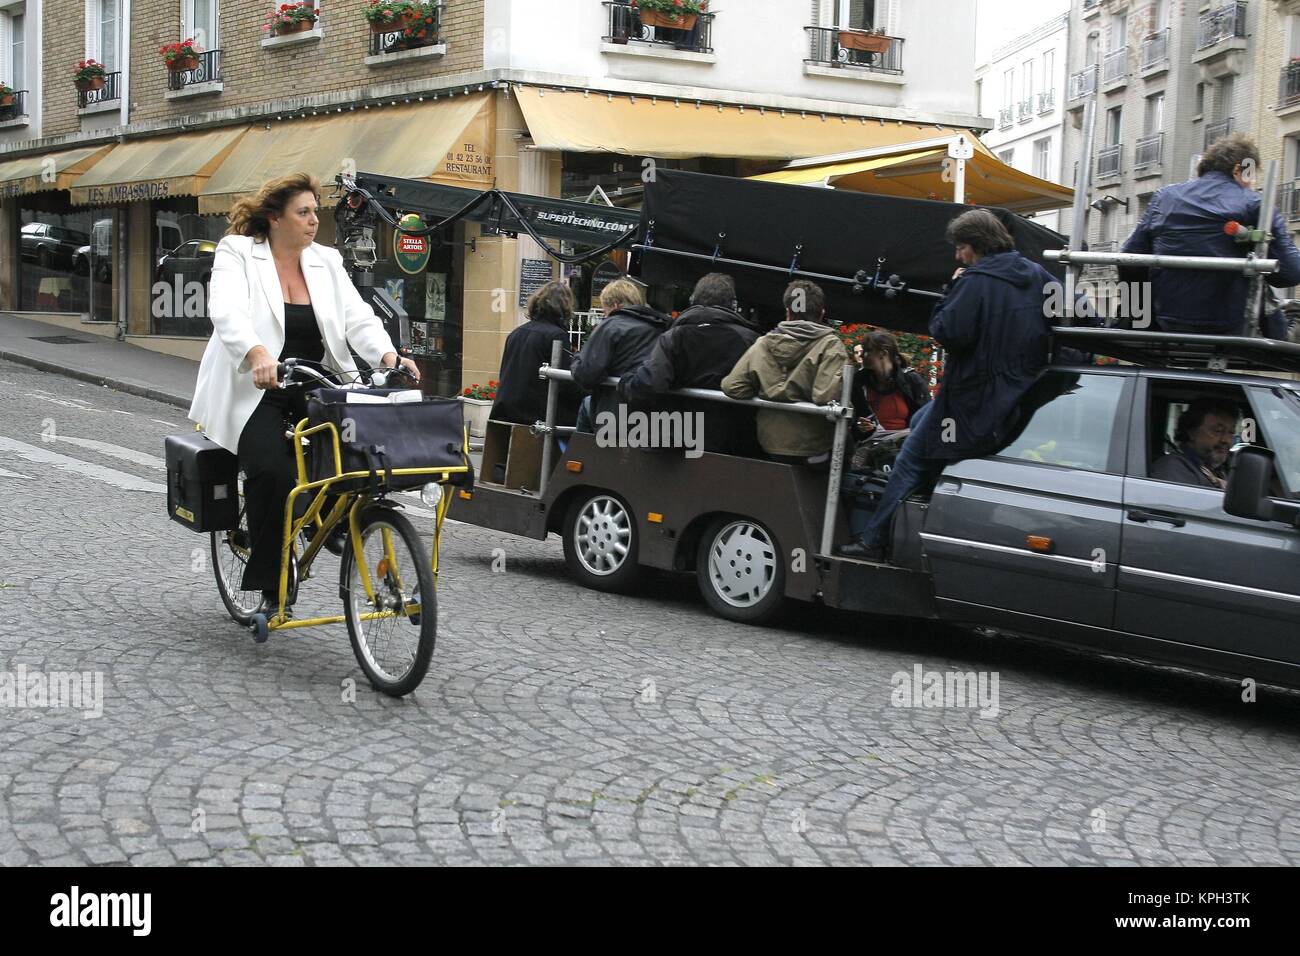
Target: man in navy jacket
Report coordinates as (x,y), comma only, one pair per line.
(1188,219)
(996,330)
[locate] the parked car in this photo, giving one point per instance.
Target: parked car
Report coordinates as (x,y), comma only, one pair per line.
(51,247)
(192,261)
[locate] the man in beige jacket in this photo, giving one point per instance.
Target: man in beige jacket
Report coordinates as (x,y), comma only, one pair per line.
(801,360)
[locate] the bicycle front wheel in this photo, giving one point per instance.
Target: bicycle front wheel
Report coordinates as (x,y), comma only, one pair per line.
(230,550)
(392,623)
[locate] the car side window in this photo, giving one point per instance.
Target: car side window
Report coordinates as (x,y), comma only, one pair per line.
(1072,421)
(1279,419)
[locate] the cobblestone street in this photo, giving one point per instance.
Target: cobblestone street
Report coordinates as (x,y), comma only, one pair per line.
(556,724)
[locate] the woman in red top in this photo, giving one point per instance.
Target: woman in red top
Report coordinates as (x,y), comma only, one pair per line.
(886,392)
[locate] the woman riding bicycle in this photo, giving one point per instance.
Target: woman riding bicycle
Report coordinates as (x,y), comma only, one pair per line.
(276,294)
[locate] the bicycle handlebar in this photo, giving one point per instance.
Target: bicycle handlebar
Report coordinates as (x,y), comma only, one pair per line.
(378,378)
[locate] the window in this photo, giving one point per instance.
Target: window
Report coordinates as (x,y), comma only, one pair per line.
(1227,93)
(1114,125)
(1072,421)
(1028,80)
(856,14)
(1092,49)
(1049,71)
(201,23)
(1200,99)
(1168,401)
(109,22)
(1008,156)
(1118,32)
(1160,15)
(1279,420)
(1008,88)
(1042,157)
(1154,120)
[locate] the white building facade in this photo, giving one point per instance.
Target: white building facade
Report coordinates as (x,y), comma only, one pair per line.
(1022,88)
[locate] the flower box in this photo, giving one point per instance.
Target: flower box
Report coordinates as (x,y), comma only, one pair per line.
(477,411)
(183,63)
(673,21)
(866,42)
(85,86)
(399,22)
(297,26)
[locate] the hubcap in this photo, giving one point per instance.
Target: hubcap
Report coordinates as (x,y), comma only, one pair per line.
(603,535)
(742,564)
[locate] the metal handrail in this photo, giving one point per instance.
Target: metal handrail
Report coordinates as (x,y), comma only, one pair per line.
(1249,266)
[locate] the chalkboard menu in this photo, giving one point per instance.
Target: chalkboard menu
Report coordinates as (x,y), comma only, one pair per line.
(605,273)
(533,274)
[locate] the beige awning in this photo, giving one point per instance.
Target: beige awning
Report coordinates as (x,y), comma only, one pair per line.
(156,168)
(410,142)
(45,171)
(593,122)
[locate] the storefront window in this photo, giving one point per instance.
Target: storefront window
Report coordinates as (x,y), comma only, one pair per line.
(184,247)
(433,303)
(68,255)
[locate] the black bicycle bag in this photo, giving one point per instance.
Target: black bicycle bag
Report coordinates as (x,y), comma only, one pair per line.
(378,439)
(202,483)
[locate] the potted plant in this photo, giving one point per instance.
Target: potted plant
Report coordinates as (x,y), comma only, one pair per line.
(6,95)
(477,400)
(422,27)
(868,41)
(391,17)
(89,76)
(180,56)
(292,18)
(672,14)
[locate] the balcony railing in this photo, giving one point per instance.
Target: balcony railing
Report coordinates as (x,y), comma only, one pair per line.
(835,47)
(1025,111)
(1006,117)
(396,40)
(1047,101)
(1149,151)
(109,91)
(1217,131)
(17,106)
(1289,92)
(1090,5)
(1109,160)
(207,71)
(1288,199)
(1115,66)
(1155,50)
(1083,83)
(1221,24)
(623,25)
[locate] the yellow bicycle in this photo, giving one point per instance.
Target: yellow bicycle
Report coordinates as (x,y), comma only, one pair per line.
(387,580)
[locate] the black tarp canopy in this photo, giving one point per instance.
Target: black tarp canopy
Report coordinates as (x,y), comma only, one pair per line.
(840,232)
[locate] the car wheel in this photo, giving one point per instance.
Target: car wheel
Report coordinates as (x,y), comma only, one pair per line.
(740,570)
(600,543)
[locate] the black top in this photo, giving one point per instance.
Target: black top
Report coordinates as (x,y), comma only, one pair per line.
(302,335)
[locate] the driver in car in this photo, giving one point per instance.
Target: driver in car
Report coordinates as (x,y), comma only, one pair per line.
(1204,434)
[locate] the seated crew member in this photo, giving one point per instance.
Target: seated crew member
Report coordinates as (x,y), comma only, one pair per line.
(1204,434)
(619,344)
(801,360)
(521,393)
(887,393)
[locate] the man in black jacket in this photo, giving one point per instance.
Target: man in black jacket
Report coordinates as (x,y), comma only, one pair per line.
(700,349)
(620,343)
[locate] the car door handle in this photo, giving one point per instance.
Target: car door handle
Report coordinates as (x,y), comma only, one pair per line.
(1142,517)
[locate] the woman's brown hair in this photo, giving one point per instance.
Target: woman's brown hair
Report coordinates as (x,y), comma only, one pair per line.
(551,303)
(251,215)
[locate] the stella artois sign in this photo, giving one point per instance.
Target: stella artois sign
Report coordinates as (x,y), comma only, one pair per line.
(411,252)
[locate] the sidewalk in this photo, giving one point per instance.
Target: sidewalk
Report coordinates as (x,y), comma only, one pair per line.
(99,360)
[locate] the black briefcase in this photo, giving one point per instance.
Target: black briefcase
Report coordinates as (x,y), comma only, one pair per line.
(202,483)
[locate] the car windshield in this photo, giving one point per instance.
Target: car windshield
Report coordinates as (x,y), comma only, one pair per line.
(1279,414)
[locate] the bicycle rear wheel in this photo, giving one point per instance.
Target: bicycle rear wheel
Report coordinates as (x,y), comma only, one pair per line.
(394,627)
(230,551)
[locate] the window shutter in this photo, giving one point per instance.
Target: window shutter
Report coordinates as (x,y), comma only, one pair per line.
(92,29)
(6,45)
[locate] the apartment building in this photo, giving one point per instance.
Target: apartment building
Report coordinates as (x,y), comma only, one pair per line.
(108,188)
(1023,85)
(1169,78)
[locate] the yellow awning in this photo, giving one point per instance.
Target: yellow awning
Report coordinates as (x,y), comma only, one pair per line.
(406,141)
(44,171)
(921,174)
(593,122)
(156,168)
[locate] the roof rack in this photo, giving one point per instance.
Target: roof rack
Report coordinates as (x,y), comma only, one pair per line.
(1218,353)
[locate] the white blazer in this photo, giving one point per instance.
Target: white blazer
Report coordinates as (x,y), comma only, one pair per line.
(246,306)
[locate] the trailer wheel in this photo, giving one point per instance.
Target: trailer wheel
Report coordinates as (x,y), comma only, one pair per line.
(740,570)
(600,543)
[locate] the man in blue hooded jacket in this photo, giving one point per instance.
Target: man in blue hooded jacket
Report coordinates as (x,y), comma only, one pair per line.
(995,327)
(1190,219)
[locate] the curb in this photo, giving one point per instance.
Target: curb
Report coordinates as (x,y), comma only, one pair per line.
(131,388)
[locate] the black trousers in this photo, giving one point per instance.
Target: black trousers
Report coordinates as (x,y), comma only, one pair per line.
(270,472)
